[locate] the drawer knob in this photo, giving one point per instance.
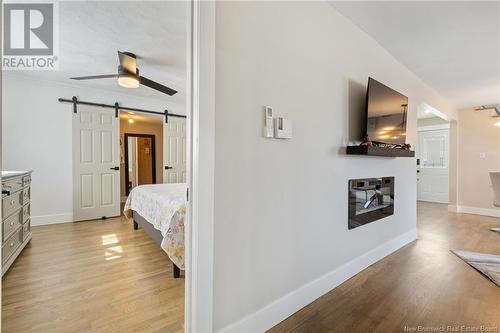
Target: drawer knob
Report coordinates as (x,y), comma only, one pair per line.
(11,223)
(12,202)
(12,244)
(6,190)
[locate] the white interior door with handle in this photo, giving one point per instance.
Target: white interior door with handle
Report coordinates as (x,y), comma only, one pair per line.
(433,171)
(174,150)
(96,160)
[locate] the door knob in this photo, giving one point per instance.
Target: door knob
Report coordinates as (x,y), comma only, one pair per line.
(115,168)
(168,167)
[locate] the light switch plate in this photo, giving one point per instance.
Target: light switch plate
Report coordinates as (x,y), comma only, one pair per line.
(282,128)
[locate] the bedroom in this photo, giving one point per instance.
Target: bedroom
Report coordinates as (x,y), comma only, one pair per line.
(84,165)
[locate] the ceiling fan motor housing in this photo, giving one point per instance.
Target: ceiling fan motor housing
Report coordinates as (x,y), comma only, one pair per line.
(124,72)
(130,54)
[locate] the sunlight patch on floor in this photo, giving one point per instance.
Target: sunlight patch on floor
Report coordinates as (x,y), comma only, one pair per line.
(112,252)
(109,239)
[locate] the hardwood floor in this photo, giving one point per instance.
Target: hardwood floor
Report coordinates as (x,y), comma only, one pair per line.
(422,284)
(97,276)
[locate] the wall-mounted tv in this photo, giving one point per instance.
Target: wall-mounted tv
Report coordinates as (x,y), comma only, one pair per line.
(386,114)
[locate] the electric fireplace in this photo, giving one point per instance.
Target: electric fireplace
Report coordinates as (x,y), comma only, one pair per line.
(370,199)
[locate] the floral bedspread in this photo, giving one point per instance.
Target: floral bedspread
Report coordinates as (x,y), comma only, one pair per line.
(164,206)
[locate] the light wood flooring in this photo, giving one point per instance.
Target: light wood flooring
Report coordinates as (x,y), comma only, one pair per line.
(96,276)
(102,276)
(422,284)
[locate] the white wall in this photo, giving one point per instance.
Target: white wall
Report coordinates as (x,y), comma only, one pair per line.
(478,155)
(281,237)
(36,134)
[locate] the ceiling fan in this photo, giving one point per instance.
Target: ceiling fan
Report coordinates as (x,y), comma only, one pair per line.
(128,75)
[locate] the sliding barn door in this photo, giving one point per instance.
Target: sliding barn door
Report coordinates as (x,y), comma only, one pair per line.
(96,160)
(174,150)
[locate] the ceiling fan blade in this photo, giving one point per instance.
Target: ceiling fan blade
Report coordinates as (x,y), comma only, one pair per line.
(128,61)
(107,76)
(157,86)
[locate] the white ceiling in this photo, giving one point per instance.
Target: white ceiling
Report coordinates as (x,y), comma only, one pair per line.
(453,46)
(91,33)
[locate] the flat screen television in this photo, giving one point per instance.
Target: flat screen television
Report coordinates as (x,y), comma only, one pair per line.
(386,111)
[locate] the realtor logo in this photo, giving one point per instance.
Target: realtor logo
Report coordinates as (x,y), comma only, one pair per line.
(29,33)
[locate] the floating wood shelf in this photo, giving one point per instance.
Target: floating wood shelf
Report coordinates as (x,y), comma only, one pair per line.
(379,151)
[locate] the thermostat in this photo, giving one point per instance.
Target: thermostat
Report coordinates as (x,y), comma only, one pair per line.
(268,122)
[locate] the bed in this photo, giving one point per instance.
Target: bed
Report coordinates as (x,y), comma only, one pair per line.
(160,210)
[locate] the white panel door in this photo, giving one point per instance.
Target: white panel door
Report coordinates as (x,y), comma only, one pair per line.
(174,150)
(96,160)
(432,173)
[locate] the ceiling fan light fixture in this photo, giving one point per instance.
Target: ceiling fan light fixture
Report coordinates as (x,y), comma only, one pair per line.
(128,81)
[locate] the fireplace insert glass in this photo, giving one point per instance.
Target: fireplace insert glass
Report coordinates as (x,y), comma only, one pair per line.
(370,199)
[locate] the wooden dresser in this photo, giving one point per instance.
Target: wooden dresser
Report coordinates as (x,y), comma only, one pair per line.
(16,223)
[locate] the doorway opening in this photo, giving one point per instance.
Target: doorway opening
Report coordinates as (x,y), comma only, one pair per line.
(140,160)
(126,259)
(141,151)
(433,156)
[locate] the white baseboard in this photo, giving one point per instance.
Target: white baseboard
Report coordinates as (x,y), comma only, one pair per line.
(51,219)
(453,208)
(282,308)
(477,210)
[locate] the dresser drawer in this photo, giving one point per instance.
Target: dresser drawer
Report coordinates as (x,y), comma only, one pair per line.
(26,195)
(11,223)
(26,212)
(26,229)
(12,186)
(11,203)
(11,245)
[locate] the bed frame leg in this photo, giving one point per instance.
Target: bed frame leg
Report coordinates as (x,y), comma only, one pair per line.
(177,271)
(136,225)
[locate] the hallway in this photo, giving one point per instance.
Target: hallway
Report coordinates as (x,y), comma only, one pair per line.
(422,284)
